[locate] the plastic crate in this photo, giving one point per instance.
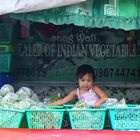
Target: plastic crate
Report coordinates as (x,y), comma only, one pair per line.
(45,119)
(125,118)
(55,107)
(10,118)
(90,119)
(7,33)
(5,62)
(68,106)
(6,48)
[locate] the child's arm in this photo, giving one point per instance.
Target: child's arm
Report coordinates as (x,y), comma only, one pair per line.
(103,96)
(66,99)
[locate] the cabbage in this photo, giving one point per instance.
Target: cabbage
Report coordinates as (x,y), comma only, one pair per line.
(6,89)
(6,105)
(10,97)
(24,92)
(22,105)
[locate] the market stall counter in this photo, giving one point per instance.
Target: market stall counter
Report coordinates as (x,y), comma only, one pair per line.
(66,134)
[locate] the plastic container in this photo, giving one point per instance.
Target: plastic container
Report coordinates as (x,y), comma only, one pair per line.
(7,33)
(125,118)
(50,118)
(55,107)
(89,119)
(5,62)
(68,106)
(10,118)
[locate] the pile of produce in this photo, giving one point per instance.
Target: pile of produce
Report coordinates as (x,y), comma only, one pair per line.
(24,98)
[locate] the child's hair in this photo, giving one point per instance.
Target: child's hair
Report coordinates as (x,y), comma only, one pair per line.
(84,69)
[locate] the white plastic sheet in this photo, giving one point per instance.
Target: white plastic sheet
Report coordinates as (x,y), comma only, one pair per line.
(21,6)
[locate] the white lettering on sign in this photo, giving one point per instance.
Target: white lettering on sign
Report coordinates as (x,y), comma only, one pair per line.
(92,50)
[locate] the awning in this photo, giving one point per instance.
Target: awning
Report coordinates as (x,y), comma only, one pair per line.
(22,6)
(118,14)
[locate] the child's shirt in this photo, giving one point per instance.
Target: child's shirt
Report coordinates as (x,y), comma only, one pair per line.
(90,97)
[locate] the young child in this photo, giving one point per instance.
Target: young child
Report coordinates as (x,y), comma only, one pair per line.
(87,91)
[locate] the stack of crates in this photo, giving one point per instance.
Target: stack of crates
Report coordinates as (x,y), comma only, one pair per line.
(7,35)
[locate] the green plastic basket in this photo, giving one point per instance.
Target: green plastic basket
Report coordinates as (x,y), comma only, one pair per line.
(7,33)
(90,119)
(5,62)
(68,106)
(10,118)
(45,119)
(54,107)
(125,118)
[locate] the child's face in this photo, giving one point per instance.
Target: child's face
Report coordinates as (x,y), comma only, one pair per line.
(85,82)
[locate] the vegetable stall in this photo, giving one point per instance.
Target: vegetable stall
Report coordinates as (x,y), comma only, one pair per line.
(40,50)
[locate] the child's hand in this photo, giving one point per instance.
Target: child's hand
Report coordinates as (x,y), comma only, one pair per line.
(96,105)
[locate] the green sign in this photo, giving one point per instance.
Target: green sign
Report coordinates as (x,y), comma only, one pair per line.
(54,53)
